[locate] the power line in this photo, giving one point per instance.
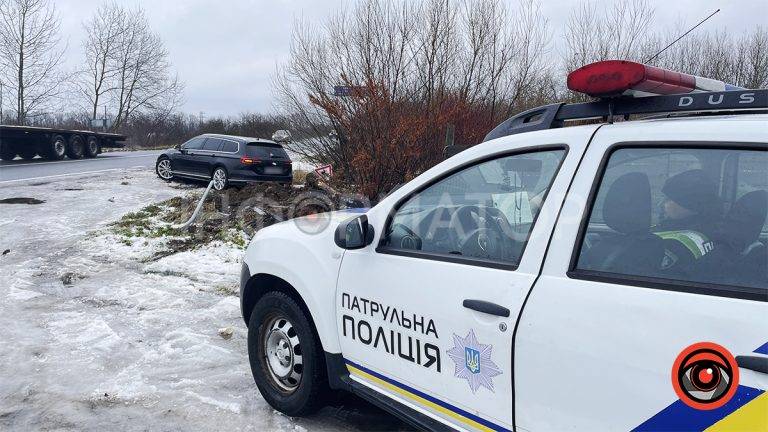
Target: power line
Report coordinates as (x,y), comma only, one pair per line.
(683,35)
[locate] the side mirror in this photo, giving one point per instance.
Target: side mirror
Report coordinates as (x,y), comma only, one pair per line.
(354,233)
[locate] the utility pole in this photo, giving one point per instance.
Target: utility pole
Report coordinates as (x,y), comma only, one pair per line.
(1,101)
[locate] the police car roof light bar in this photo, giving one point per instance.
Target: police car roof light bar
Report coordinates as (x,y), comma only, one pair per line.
(626,78)
(555,115)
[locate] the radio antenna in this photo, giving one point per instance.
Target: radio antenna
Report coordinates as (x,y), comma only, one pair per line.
(653,57)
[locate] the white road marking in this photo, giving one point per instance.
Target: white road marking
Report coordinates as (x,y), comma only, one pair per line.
(70,174)
(76,160)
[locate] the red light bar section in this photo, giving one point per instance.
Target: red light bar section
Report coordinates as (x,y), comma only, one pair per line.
(617,77)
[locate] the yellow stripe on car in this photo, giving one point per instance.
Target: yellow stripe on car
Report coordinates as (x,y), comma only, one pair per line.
(749,418)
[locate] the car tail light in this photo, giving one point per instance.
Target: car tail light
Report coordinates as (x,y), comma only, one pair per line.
(247,160)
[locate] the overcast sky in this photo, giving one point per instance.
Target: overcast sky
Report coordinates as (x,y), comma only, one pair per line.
(226,51)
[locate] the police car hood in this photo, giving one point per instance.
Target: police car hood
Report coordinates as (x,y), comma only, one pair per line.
(310,228)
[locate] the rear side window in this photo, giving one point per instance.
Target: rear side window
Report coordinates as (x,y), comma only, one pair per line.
(689,215)
(229,146)
(212,144)
(193,144)
(266,151)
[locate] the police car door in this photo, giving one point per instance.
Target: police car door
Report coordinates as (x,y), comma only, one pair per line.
(642,308)
(426,313)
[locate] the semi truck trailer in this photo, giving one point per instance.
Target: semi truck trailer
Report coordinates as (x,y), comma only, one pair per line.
(54,144)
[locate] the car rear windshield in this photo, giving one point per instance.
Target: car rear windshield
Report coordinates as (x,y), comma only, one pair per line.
(266,150)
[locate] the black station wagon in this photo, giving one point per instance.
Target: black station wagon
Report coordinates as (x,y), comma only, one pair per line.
(226,160)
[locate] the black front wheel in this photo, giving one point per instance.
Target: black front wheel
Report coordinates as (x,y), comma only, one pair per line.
(286,357)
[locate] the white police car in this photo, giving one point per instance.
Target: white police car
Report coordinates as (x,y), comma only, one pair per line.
(609,276)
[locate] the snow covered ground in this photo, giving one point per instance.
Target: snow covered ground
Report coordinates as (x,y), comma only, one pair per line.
(93,336)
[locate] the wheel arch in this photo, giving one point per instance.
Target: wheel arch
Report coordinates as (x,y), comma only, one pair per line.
(262,283)
(219,165)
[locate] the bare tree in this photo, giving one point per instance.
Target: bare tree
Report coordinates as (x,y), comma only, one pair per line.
(596,33)
(128,69)
(717,54)
(414,70)
(30,54)
(623,32)
(104,31)
(143,71)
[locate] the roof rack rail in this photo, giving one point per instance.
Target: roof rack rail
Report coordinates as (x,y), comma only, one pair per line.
(554,115)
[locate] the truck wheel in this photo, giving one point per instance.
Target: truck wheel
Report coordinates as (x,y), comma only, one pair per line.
(27,152)
(56,149)
(286,357)
(163,169)
(92,147)
(7,152)
(76,147)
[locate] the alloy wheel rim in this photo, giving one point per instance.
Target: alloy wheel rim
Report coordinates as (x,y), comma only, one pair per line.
(219,179)
(92,147)
(59,147)
(164,169)
(282,354)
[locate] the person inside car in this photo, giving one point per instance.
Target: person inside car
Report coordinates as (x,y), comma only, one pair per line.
(690,216)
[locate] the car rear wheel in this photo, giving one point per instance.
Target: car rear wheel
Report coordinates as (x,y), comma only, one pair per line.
(163,169)
(220,178)
(286,358)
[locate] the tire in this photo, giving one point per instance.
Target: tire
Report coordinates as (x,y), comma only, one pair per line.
(7,152)
(163,169)
(91,147)
(76,147)
(310,390)
(27,152)
(220,178)
(56,149)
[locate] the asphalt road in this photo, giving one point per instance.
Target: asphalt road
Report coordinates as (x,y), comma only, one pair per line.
(20,170)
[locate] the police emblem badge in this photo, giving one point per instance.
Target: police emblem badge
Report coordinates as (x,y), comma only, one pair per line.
(472,362)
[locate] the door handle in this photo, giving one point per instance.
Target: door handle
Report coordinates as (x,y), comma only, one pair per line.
(755,363)
(486,307)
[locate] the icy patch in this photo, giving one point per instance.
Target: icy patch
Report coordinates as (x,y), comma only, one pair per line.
(233,407)
(83,332)
(21,295)
(216,263)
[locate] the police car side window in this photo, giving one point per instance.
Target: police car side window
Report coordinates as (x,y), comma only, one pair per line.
(691,215)
(483,212)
